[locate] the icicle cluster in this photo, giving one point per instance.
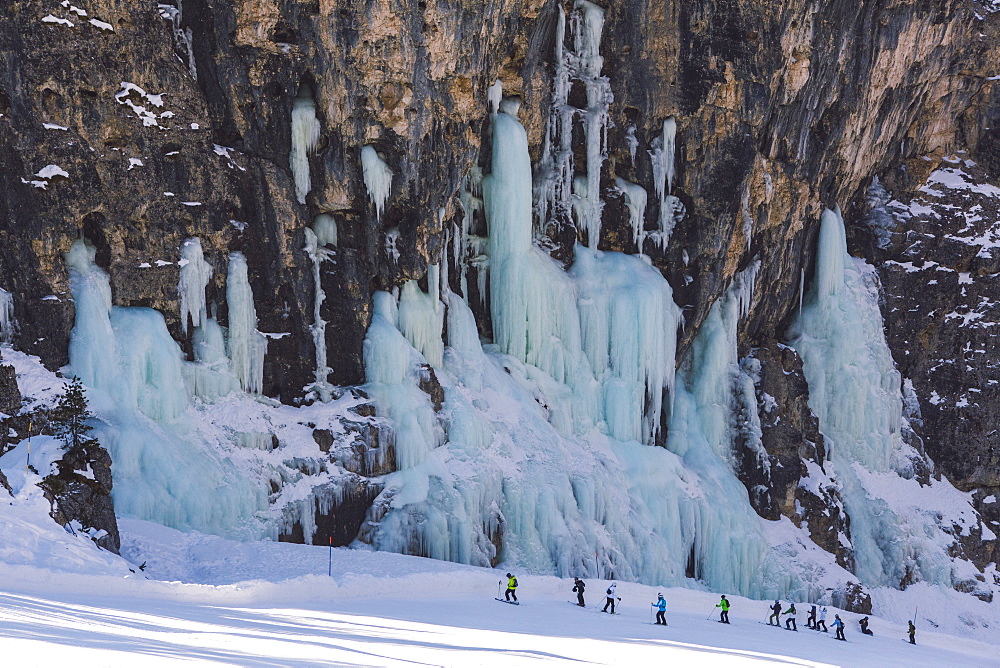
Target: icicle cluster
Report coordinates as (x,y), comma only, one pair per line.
(560,192)
(247,346)
(305,136)
(378,179)
(6,316)
(195,275)
(664,161)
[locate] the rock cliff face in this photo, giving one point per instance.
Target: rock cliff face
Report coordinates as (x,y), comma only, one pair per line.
(139,125)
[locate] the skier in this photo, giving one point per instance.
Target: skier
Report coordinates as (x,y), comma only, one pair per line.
(791,617)
(811,620)
(661,606)
(913,633)
(822,620)
(839,625)
(864,627)
(724,615)
(511,586)
(578,587)
(611,598)
(775,614)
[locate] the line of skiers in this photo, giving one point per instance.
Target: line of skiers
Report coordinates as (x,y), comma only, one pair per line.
(812,621)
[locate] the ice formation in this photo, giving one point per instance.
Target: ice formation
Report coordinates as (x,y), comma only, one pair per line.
(421,320)
(316,256)
(183,37)
(305,136)
(855,391)
(325,228)
(209,376)
(495,95)
(247,347)
(635,202)
(6,316)
(133,371)
(560,192)
(378,178)
(554,467)
(195,274)
(664,161)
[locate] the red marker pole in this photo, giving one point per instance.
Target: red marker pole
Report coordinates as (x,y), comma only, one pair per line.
(330,569)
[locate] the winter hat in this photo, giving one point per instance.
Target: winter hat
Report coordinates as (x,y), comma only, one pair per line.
(509,575)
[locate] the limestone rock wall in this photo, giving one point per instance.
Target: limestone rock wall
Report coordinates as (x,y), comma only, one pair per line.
(173,120)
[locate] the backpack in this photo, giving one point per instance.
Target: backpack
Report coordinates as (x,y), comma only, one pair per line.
(513,582)
(610,593)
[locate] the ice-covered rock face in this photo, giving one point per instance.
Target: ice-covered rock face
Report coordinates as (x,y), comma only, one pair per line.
(558,469)
(899,535)
(753,156)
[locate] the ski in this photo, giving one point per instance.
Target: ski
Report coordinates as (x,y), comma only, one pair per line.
(510,602)
(576,604)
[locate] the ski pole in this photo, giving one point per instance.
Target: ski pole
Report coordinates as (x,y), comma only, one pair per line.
(711,613)
(330,569)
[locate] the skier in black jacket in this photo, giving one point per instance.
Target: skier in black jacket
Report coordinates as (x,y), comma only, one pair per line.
(811,619)
(864,627)
(578,587)
(775,614)
(913,633)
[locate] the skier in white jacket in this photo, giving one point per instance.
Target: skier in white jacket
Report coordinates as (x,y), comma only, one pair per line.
(822,620)
(611,598)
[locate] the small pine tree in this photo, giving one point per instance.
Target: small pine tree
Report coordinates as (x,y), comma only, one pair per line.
(68,422)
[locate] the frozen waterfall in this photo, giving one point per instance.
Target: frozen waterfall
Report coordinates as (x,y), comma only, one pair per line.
(855,390)
(553,470)
(133,371)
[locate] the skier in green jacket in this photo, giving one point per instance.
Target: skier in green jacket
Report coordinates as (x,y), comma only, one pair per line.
(511,586)
(724,604)
(791,618)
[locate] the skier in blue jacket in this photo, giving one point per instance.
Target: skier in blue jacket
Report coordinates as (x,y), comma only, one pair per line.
(661,606)
(839,625)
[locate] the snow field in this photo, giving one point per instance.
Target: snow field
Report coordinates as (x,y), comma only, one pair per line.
(216,601)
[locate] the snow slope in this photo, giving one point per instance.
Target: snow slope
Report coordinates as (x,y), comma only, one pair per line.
(206,599)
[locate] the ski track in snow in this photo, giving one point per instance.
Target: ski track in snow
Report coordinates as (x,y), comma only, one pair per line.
(214,601)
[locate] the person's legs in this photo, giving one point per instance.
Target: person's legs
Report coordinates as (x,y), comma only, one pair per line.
(819,624)
(661,618)
(612,605)
(725,616)
(607,602)
(579,598)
